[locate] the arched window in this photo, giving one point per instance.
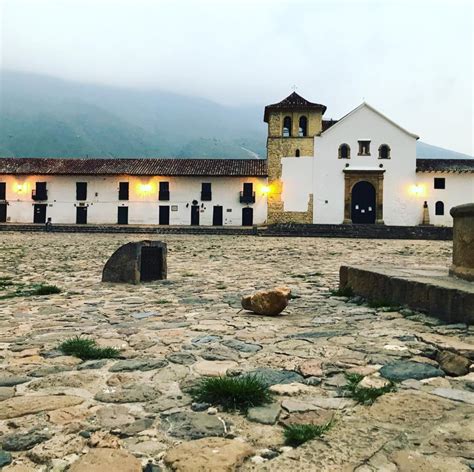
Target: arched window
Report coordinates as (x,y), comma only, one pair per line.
(439,208)
(303,128)
(384,151)
(286,127)
(344,151)
(297,153)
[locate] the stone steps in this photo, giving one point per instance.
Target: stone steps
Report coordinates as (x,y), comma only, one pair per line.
(359,231)
(293,230)
(91,228)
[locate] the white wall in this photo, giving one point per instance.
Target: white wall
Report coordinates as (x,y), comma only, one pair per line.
(102,198)
(459,190)
(401,205)
(297,177)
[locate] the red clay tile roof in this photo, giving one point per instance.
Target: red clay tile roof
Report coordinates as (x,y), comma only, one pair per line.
(177,167)
(293,102)
(445,165)
(328,123)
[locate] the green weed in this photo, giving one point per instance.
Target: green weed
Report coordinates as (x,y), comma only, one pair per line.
(86,349)
(22,290)
(297,434)
(232,393)
(365,395)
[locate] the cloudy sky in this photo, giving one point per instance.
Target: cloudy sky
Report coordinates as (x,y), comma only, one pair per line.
(413,59)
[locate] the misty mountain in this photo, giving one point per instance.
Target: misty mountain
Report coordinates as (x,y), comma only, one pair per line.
(428,151)
(42,116)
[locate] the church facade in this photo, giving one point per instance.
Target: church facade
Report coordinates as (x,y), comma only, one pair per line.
(361,169)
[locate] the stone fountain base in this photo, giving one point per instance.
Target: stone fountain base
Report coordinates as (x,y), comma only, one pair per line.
(431,290)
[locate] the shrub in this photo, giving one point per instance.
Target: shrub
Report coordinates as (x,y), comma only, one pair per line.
(45,290)
(86,349)
(297,434)
(22,290)
(365,395)
(232,393)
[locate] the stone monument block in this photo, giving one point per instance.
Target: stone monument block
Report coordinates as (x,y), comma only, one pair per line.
(133,263)
(463,242)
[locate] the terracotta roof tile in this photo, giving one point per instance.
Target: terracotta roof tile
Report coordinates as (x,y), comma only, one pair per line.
(328,123)
(293,102)
(445,165)
(177,167)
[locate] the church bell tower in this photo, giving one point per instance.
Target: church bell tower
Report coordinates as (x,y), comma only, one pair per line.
(292,125)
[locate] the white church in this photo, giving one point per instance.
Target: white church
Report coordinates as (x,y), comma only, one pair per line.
(361,169)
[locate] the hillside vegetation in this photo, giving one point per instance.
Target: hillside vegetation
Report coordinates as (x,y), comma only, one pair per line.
(47,117)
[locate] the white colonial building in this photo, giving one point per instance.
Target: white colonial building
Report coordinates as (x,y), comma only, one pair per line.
(360,169)
(133,191)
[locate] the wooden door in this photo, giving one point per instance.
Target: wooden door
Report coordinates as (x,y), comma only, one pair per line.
(39,213)
(217,216)
(164,215)
(247,216)
(3,212)
(81,215)
(195,215)
(363,203)
(122,216)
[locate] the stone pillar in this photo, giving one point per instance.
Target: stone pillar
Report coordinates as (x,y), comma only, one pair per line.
(463,242)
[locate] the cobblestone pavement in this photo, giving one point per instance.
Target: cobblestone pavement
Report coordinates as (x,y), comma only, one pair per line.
(121,414)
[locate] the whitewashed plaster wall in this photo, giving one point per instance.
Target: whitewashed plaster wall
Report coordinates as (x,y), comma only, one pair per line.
(459,189)
(143,203)
(297,177)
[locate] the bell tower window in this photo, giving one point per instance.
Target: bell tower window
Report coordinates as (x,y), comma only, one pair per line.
(303,126)
(384,151)
(286,127)
(344,151)
(364,148)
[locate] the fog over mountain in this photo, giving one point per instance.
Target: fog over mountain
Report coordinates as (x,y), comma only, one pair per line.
(41,116)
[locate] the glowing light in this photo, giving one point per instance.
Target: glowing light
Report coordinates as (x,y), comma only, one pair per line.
(417,190)
(20,187)
(265,189)
(145,187)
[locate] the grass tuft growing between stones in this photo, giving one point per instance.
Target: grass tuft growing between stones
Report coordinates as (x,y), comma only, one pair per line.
(343,292)
(22,290)
(297,434)
(86,349)
(232,393)
(365,395)
(45,290)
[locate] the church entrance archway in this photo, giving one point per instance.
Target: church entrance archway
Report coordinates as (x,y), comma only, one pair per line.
(363,190)
(363,203)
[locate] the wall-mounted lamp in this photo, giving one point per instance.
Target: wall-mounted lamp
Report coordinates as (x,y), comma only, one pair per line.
(20,187)
(145,187)
(417,190)
(265,190)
